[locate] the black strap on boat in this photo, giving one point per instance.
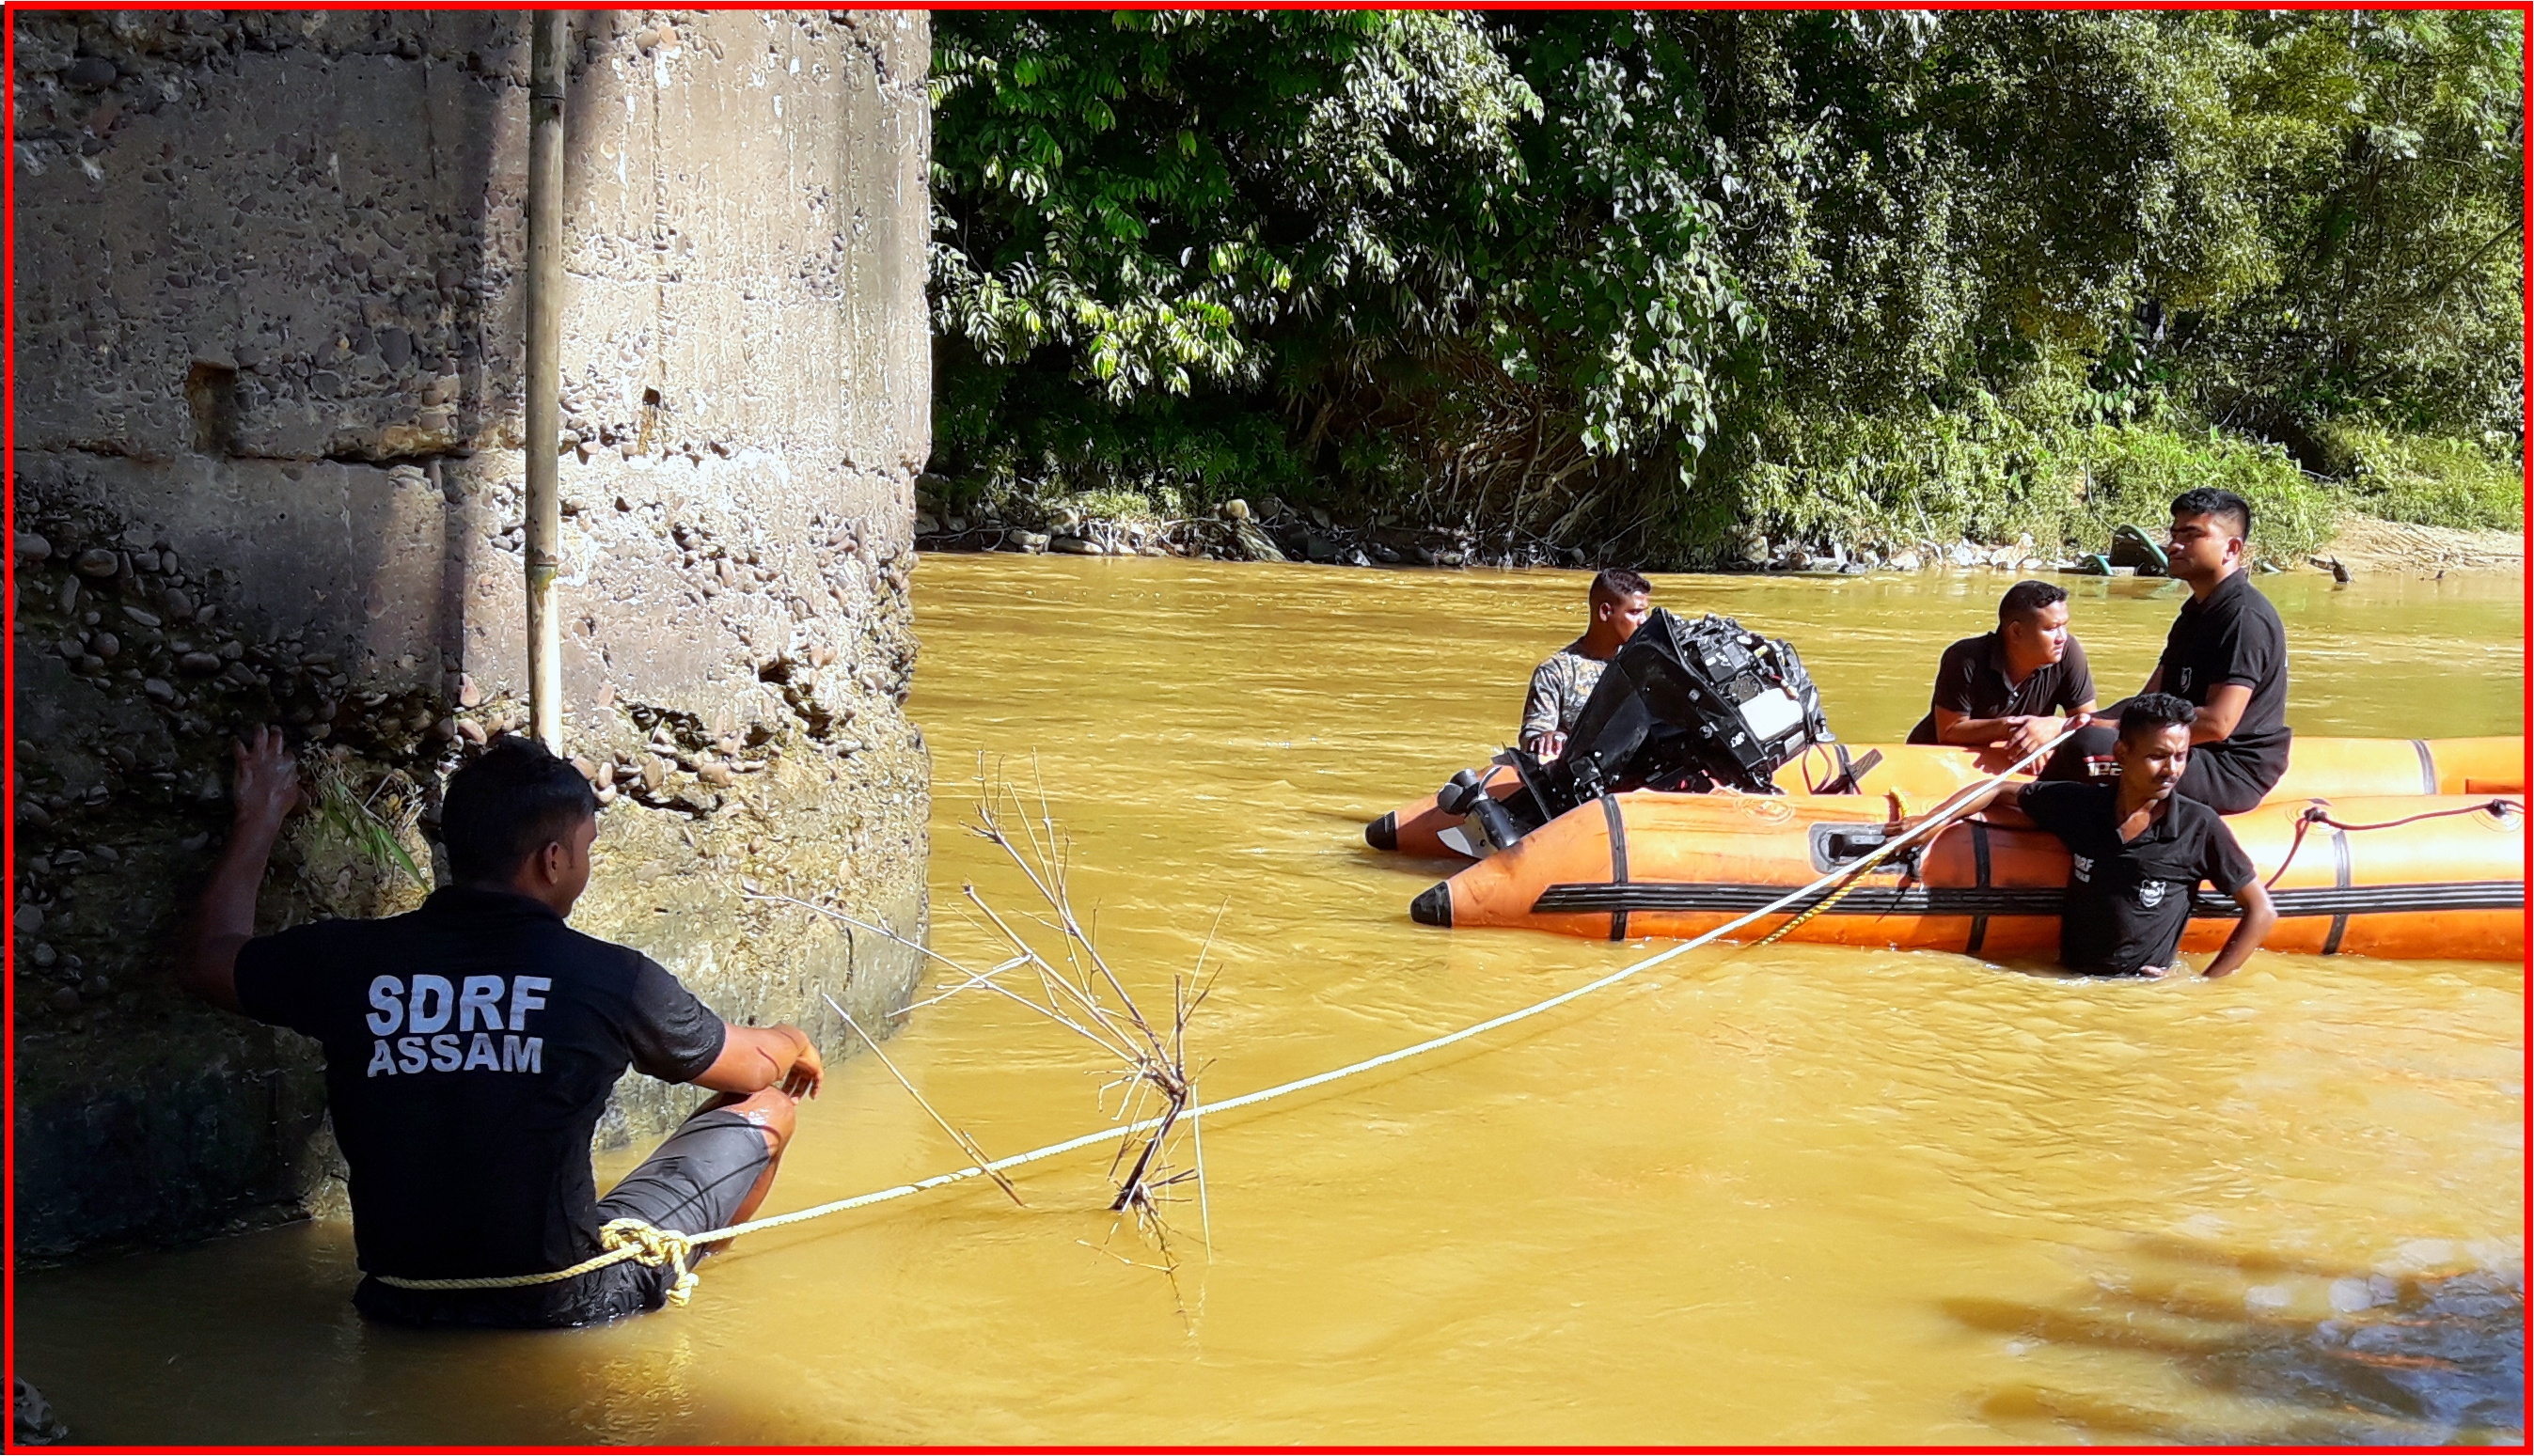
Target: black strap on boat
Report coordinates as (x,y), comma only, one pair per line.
(1979,862)
(1851,772)
(2427,766)
(2340,880)
(2020,902)
(1618,824)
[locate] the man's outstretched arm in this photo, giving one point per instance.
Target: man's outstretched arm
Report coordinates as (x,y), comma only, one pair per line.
(267,788)
(755,1058)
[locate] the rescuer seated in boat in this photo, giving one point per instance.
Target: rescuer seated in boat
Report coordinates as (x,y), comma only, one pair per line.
(1999,688)
(1560,686)
(471,1045)
(2139,850)
(2226,655)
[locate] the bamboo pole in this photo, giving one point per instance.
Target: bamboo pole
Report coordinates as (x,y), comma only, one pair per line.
(545,374)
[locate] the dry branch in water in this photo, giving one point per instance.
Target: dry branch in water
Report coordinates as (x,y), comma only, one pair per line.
(1086,996)
(1073,985)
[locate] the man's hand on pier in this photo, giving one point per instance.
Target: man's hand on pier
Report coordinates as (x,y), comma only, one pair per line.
(268,779)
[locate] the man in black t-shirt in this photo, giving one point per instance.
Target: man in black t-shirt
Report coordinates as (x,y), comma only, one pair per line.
(1999,689)
(2139,851)
(2226,655)
(470,1046)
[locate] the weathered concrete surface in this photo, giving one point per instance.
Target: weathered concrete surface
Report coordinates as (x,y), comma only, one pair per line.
(269,342)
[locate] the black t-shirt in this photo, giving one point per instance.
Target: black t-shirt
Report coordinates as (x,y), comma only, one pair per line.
(469,1049)
(1970,679)
(2127,903)
(2234,636)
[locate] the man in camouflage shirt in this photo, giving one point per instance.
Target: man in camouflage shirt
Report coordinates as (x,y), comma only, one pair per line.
(1560,685)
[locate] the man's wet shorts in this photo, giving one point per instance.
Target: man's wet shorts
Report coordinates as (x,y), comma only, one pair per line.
(692,1183)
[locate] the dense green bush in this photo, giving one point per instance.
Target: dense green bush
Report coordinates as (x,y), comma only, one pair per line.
(2131,473)
(2429,480)
(1640,281)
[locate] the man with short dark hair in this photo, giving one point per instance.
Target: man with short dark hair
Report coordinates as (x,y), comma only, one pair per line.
(1999,688)
(2140,850)
(2226,655)
(470,1046)
(1619,600)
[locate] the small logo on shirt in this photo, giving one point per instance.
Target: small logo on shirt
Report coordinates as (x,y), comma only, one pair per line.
(2181,681)
(2085,870)
(2150,894)
(432,1003)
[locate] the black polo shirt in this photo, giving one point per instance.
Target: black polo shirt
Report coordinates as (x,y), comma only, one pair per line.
(1970,679)
(2127,903)
(2234,636)
(469,1049)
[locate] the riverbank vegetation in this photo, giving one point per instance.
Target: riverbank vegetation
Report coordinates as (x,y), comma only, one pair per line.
(1644,286)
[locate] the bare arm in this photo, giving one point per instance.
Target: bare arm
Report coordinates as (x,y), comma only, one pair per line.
(2154,682)
(267,788)
(1965,731)
(755,1058)
(1540,734)
(1998,796)
(2259,917)
(2020,735)
(2221,712)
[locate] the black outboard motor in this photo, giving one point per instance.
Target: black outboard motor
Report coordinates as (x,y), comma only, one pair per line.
(1686,705)
(1466,795)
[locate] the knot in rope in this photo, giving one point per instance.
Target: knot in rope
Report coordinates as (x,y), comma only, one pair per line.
(653,1246)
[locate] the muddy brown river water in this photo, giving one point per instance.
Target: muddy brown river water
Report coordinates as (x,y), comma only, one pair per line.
(1795,1194)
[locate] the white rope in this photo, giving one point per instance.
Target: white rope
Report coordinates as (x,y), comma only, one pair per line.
(1935,820)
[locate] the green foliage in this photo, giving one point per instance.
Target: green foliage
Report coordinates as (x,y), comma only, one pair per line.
(1636,279)
(1914,473)
(2429,480)
(1986,471)
(2132,473)
(353,818)
(1127,204)
(2389,148)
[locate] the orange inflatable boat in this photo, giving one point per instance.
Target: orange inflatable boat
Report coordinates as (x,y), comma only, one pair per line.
(2427,875)
(2317,768)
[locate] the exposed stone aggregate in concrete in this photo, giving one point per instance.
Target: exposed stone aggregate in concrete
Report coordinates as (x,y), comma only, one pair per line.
(268,422)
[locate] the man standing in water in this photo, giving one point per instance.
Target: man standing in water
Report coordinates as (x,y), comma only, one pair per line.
(2139,850)
(2227,656)
(471,1043)
(1560,685)
(1999,688)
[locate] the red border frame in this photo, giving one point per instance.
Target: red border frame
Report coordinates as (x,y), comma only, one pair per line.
(9,644)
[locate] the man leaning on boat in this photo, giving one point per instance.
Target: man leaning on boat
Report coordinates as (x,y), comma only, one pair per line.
(2139,850)
(1999,688)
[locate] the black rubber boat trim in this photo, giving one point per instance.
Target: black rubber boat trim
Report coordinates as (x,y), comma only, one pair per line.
(1383,832)
(1979,862)
(1434,905)
(1921,899)
(2340,880)
(1618,827)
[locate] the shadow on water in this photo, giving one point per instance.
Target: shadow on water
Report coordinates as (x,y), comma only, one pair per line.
(2279,1350)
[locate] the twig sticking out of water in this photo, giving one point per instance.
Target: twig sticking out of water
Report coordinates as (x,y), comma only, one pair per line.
(1079,991)
(967,1144)
(1086,995)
